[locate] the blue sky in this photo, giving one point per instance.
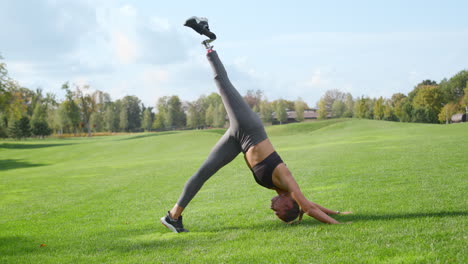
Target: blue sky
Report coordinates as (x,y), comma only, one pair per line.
(287,49)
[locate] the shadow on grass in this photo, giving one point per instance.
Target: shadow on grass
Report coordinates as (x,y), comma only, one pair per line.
(29,146)
(152,238)
(154,134)
(376,217)
(17,245)
(11,164)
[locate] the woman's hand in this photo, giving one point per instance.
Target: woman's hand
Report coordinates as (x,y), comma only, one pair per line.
(345,213)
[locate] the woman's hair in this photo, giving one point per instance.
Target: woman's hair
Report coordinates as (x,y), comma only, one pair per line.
(285,208)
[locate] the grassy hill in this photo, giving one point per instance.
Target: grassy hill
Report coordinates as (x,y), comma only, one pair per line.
(99,200)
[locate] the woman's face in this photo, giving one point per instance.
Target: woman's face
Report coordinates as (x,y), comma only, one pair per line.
(282,204)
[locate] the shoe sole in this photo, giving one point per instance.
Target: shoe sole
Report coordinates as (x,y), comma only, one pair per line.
(166,224)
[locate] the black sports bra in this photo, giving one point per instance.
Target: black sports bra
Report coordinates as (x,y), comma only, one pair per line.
(263,171)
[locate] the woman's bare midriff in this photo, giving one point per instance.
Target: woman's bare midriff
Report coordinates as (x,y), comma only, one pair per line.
(258,153)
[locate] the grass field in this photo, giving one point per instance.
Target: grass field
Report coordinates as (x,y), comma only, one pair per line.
(99,200)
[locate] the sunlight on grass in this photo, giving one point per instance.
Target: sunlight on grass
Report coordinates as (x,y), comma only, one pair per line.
(99,200)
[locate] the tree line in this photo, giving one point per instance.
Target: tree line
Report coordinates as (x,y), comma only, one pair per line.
(25,113)
(428,102)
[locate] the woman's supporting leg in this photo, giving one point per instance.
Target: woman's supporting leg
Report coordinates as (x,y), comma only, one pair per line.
(222,153)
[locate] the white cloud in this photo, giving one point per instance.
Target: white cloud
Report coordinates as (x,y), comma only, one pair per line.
(159,24)
(125,48)
(152,76)
(128,10)
(318,79)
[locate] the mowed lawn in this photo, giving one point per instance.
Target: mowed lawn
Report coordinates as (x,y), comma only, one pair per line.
(99,200)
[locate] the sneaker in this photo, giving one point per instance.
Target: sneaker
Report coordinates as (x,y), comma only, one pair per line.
(200,25)
(175,225)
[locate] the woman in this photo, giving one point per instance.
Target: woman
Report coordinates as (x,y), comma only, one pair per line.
(247,134)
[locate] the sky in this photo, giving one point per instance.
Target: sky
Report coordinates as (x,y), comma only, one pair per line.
(287,49)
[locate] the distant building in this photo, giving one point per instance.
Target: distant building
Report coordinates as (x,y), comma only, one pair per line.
(458,118)
(309,114)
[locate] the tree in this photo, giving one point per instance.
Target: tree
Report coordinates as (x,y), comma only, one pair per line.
(209,116)
(20,128)
(338,108)
(300,106)
(266,111)
(349,106)
(40,113)
(147,119)
(363,108)
(447,112)
(465,98)
(63,119)
(71,108)
(133,106)
(192,116)
(87,106)
(379,109)
(322,109)
(427,103)
(453,89)
(389,113)
(397,101)
(253,98)
(40,128)
(220,116)
(175,116)
(158,123)
(123,119)
(96,121)
(330,97)
(112,116)
(3,126)
(101,101)
(281,113)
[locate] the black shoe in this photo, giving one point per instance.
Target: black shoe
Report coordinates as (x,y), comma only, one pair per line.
(200,25)
(175,225)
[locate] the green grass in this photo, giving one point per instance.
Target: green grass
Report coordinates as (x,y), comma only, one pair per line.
(99,200)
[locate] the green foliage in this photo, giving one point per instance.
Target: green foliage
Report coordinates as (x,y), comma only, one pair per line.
(220,116)
(447,112)
(299,107)
(20,128)
(147,119)
(253,98)
(330,97)
(132,106)
(3,126)
(363,108)
(349,106)
(379,109)
(427,103)
(465,97)
(123,119)
(40,113)
(266,111)
(209,116)
(338,108)
(40,128)
(112,118)
(453,88)
(71,108)
(389,111)
(322,110)
(280,110)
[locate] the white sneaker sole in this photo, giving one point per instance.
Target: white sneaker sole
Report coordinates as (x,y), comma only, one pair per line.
(166,224)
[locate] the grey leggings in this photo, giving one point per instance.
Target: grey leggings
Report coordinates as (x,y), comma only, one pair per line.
(245,130)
